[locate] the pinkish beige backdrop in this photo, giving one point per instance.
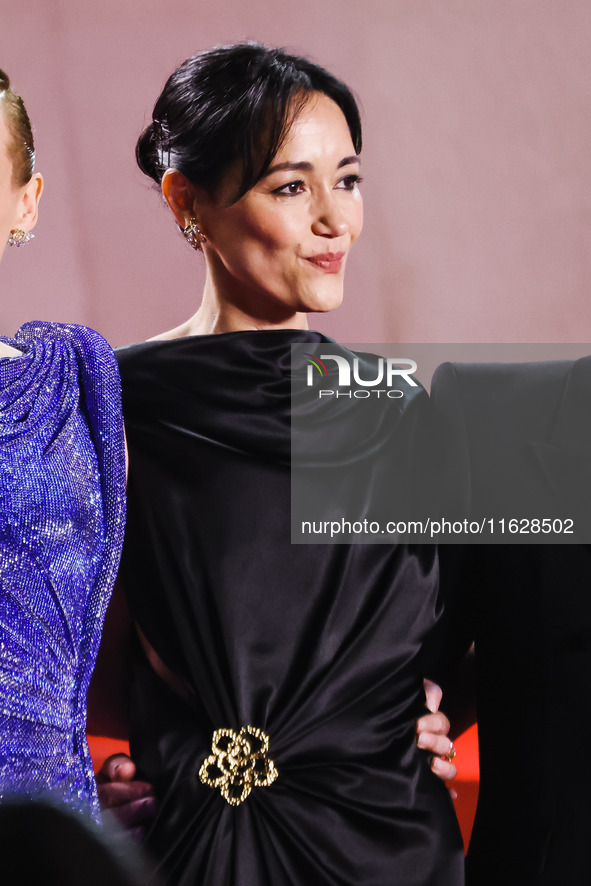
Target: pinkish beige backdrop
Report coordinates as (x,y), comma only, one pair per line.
(476,161)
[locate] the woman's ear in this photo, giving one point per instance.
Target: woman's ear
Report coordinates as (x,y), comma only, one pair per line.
(28,205)
(179,193)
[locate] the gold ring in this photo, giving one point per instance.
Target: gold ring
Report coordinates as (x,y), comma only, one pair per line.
(450,754)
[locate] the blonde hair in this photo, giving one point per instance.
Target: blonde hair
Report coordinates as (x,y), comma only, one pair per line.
(21,148)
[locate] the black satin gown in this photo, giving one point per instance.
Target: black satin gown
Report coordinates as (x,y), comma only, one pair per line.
(320,646)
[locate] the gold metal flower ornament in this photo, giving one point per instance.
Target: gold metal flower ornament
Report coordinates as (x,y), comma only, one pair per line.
(238,763)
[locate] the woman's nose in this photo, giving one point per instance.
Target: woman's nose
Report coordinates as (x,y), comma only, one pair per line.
(329,219)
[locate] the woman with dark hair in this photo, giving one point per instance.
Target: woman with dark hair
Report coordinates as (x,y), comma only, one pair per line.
(62,505)
(276,686)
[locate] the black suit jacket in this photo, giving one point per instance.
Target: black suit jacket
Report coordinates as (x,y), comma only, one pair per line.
(524,428)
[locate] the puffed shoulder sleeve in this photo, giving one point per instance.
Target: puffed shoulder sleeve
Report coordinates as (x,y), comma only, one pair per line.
(93,370)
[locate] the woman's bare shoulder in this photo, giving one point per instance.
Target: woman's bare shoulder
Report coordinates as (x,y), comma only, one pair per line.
(181,331)
(8,350)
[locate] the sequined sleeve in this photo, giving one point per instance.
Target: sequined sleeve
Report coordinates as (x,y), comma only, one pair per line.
(62,509)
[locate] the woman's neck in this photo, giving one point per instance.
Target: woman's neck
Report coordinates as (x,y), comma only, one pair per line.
(216,315)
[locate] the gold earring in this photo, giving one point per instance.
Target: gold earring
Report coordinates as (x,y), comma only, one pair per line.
(20,238)
(193,235)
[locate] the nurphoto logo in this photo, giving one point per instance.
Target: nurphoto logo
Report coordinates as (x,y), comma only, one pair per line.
(387,372)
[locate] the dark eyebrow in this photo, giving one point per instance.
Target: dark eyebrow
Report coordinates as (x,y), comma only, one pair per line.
(304,166)
(280,167)
(346,161)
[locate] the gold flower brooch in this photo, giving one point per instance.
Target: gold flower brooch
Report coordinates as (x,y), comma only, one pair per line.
(238,763)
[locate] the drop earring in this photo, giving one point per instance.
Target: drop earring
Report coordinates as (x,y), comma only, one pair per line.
(193,235)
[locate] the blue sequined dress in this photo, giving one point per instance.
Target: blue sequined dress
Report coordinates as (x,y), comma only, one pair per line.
(62,510)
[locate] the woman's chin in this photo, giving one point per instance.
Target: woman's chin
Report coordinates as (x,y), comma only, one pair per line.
(324,300)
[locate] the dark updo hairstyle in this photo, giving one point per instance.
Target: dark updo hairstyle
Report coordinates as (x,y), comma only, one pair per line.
(234,105)
(21,148)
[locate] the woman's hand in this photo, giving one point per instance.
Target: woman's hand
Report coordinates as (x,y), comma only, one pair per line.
(131,802)
(432,733)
